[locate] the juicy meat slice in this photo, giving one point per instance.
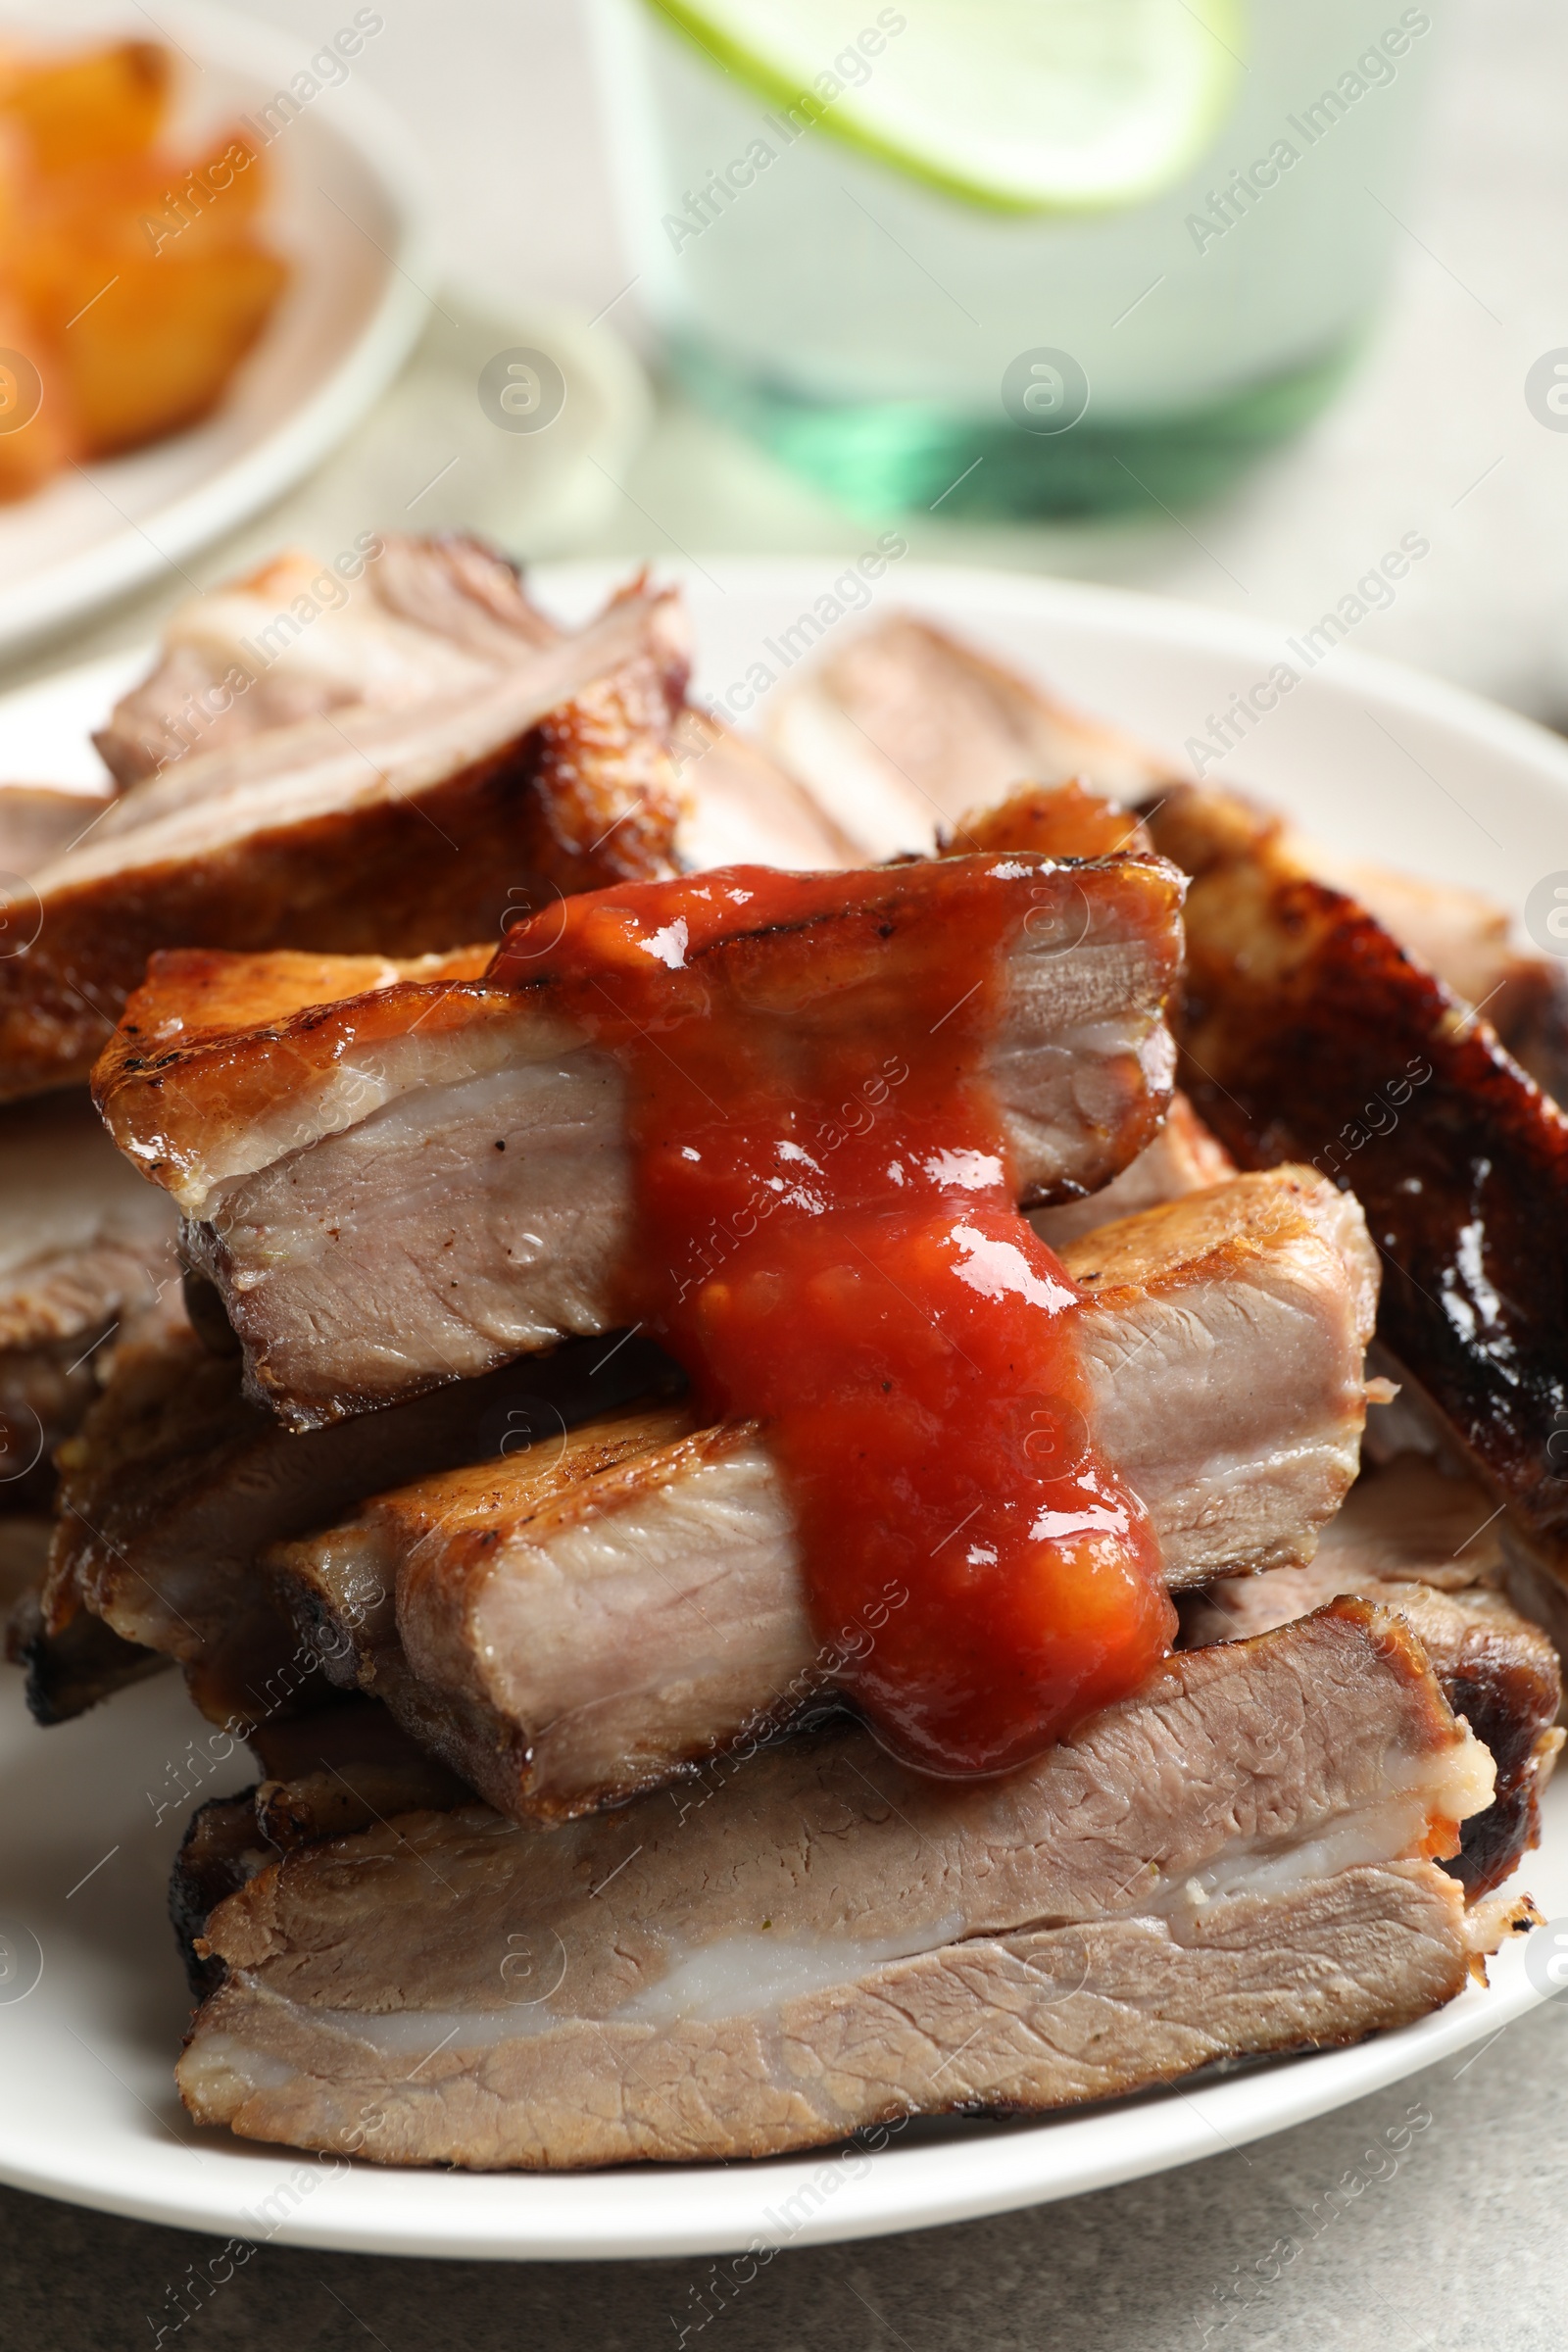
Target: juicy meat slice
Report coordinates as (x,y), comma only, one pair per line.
(638,1591)
(1405,1521)
(1417,1542)
(175,1483)
(1311,1036)
(402,829)
(411,1185)
(1281,1277)
(1234,1861)
(1069,820)
(423,619)
(903,729)
(1184,1157)
(344,1768)
(587,1617)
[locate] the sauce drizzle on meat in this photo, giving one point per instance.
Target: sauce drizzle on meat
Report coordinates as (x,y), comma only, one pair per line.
(830,1242)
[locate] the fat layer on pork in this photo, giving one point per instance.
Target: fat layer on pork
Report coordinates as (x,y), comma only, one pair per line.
(1236,1860)
(409,1185)
(588,1615)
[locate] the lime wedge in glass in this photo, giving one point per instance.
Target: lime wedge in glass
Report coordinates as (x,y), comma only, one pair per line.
(1021,106)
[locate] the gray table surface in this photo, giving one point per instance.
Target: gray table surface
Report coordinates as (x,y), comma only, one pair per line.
(1292,2245)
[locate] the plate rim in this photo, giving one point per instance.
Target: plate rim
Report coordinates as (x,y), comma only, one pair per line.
(900,2188)
(1183,622)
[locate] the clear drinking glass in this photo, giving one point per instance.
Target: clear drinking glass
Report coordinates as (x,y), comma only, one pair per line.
(907,345)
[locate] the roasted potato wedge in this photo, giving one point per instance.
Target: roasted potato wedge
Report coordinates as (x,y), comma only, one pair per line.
(133,280)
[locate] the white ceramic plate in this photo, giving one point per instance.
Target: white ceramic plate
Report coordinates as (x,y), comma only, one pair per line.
(347,209)
(1373,757)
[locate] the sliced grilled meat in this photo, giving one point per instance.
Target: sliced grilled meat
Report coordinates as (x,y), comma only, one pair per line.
(1421,1543)
(1467,939)
(365,829)
(83,1243)
(413,1185)
(1070,820)
(582,1619)
(1232,1862)
(743,809)
(38,822)
(85,1661)
(327,1776)
(175,1483)
(1310,1035)
(422,620)
(903,729)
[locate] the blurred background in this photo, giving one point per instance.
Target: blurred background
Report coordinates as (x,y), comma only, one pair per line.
(1149,348)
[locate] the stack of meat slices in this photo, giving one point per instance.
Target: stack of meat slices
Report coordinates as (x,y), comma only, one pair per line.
(399,753)
(570,1848)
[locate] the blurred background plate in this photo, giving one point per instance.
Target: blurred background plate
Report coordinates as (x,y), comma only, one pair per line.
(348,211)
(1374,757)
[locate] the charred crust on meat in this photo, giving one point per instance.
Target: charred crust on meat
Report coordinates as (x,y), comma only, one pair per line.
(1300,1008)
(77,1666)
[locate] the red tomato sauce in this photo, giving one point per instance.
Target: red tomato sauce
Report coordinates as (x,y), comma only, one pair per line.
(829,1242)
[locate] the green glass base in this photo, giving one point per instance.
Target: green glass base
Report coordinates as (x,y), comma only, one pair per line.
(907,455)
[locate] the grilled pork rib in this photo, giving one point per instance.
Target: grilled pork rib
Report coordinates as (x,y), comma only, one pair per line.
(903,729)
(1420,1543)
(1234,1861)
(406,829)
(1227,1335)
(411,1185)
(1311,1036)
(908,729)
(421,620)
(176,1484)
(588,1616)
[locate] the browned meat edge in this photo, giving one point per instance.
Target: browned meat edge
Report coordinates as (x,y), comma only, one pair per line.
(1310,1035)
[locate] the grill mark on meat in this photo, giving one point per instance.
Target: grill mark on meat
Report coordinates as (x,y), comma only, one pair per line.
(569,1629)
(1088,1925)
